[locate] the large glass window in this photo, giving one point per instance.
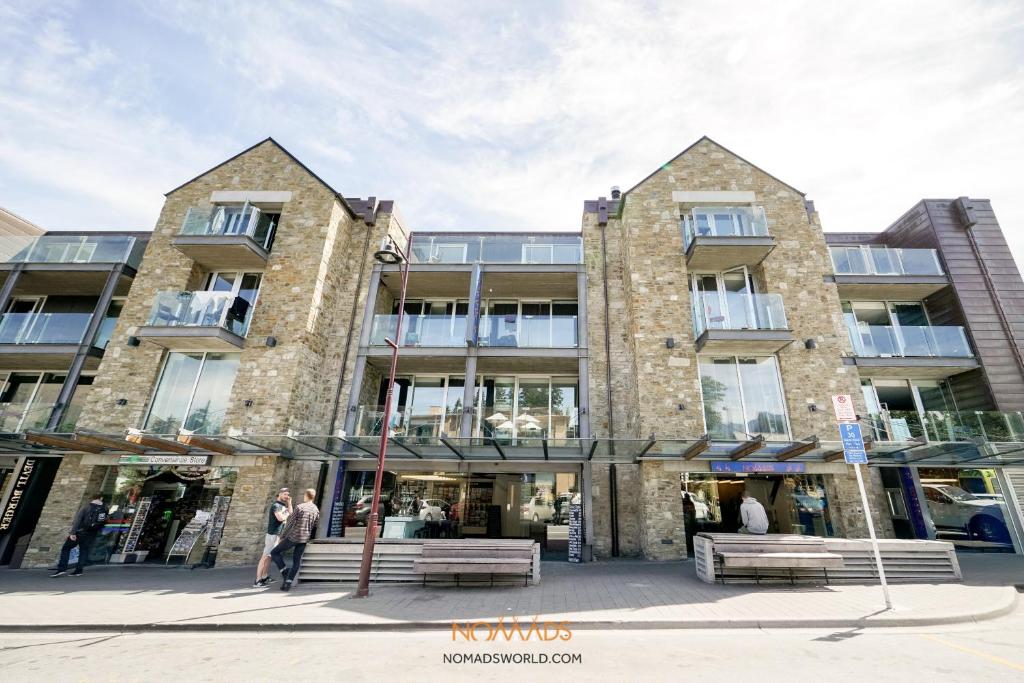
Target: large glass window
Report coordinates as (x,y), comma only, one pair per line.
(743,398)
(28,399)
(514,409)
(193,393)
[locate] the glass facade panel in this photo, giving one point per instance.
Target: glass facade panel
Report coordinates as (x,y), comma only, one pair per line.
(193,393)
(743,398)
(967,507)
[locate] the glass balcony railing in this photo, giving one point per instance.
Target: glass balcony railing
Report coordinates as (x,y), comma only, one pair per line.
(420,330)
(907,340)
(738,311)
(201,309)
(862,260)
(57,248)
(732,221)
(548,248)
(220,221)
(413,423)
(43,328)
(934,425)
(19,416)
(530,332)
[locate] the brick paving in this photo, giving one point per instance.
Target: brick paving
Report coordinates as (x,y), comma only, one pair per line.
(622,593)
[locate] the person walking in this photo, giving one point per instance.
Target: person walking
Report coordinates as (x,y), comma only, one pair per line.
(88,522)
(297,531)
(280,508)
(753,516)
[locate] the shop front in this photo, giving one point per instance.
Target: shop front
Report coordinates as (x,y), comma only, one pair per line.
(474,501)
(170,514)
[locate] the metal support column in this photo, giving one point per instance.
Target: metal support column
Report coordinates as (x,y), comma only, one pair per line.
(468,396)
(587,489)
(9,284)
(371,307)
(99,312)
(352,406)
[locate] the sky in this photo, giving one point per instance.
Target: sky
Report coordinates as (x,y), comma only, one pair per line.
(508,115)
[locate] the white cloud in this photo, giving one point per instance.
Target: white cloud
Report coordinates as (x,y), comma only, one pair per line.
(492,115)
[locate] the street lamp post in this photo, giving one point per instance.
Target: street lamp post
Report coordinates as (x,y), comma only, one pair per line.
(389,254)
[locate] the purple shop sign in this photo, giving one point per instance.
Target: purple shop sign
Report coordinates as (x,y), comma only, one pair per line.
(758,467)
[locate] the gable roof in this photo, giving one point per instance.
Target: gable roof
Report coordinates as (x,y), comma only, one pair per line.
(724,149)
(291,156)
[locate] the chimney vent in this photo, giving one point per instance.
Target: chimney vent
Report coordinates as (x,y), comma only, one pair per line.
(616,193)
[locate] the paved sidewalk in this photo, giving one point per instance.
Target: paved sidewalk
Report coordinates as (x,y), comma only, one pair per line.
(619,594)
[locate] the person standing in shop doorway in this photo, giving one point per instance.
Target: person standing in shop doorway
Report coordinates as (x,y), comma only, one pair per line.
(87,524)
(753,516)
(276,517)
(297,531)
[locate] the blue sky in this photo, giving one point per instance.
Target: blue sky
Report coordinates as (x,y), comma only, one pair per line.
(508,115)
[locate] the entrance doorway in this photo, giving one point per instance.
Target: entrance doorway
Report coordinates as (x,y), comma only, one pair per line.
(422,504)
(795,503)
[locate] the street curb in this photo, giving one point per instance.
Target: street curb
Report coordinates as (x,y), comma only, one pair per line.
(1009,604)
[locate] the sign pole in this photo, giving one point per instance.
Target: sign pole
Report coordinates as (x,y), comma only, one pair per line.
(874,539)
(856,454)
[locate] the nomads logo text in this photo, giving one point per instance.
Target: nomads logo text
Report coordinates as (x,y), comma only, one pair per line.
(512,630)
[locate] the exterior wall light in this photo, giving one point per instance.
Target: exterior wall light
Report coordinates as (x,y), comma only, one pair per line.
(271,342)
(133,341)
(121,401)
(670,343)
(810,343)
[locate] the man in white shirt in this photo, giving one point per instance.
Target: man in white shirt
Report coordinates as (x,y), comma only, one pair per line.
(755,519)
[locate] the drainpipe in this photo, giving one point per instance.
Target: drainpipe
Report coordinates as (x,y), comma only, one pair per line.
(613,493)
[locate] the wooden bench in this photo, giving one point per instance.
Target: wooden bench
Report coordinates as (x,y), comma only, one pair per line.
(765,552)
(478,557)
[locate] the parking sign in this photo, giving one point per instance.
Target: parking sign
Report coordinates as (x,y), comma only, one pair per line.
(853,443)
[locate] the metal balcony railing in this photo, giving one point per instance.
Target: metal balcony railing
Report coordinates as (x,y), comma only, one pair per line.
(420,330)
(864,260)
(201,309)
(935,425)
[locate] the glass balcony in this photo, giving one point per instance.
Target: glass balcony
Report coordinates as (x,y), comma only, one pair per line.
(550,248)
(201,309)
(43,328)
(408,423)
(731,221)
(529,331)
(907,340)
(19,416)
(420,330)
(934,425)
(738,311)
(221,221)
(80,249)
(863,260)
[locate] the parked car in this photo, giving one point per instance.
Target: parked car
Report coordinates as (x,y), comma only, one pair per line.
(953,509)
(432,510)
(538,509)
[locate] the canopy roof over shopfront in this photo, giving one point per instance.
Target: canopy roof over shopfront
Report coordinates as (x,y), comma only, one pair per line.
(970,454)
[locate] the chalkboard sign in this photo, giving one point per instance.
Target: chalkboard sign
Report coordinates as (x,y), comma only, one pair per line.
(575,532)
(141,512)
(190,535)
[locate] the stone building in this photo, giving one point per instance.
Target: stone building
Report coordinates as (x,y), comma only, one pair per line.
(685,344)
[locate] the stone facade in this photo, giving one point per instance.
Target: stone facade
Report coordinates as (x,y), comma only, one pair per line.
(307,302)
(656,389)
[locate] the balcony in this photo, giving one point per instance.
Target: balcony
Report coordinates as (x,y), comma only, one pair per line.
(917,351)
(867,272)
(43,341)
(420,330)
(506,332)
(227,237)
(80,249)
(736,322)
(524,249)
(73,264)
(946,426)
(197,321)
(717,239)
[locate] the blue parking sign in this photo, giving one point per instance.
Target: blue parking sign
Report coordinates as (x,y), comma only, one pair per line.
(853,443)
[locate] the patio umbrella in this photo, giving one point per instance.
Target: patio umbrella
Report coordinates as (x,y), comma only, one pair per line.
(497,417)
(528,419)
(507,424)
(530,427)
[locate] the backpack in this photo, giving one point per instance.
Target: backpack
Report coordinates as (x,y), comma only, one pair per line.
(95,520)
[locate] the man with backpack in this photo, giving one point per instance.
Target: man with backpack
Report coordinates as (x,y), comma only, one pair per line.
(88,523)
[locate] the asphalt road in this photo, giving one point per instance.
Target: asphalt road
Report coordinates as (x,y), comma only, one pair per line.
(990,651)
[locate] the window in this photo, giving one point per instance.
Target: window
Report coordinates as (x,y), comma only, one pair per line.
(193,393)
(27,400)
(233,310)
(511,409)
(743,398)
